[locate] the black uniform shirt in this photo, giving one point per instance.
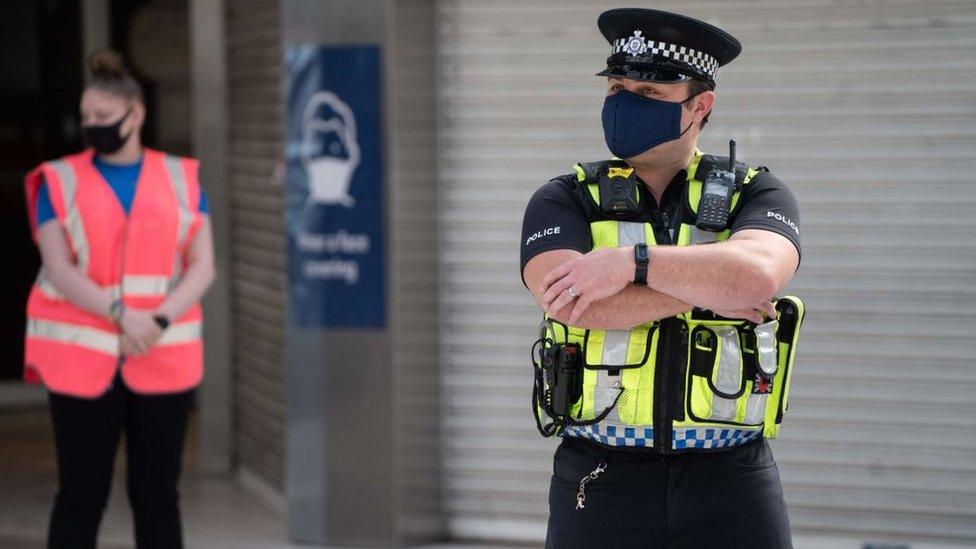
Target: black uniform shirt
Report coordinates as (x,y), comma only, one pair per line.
(556,218)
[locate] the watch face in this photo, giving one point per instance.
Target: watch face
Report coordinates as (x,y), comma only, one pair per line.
(641,252)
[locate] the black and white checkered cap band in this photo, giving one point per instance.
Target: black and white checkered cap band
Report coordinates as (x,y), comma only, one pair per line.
(638,45)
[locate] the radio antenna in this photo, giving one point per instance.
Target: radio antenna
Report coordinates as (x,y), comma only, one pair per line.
(731,155)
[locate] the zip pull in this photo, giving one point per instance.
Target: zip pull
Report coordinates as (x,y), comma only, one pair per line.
(581,496)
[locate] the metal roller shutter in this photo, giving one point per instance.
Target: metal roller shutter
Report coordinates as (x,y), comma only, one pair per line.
(866,110)
(254,149)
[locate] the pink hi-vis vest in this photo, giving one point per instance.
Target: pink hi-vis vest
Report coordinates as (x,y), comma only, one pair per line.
(139,256)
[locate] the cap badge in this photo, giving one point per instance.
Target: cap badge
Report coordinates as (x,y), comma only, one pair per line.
(636,44)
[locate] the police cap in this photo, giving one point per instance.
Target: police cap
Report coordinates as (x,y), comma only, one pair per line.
(659,46)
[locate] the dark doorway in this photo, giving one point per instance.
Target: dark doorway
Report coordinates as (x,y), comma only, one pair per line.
(40,82)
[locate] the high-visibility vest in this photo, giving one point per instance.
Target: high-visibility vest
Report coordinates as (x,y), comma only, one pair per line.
(139,257)
(691,381)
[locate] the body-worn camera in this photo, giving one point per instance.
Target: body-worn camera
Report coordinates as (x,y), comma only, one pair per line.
(618,190)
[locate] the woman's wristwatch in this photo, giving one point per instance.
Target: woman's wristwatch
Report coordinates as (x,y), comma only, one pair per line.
(162,321)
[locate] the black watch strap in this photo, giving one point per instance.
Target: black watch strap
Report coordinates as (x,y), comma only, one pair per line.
(641,260)
(162,321)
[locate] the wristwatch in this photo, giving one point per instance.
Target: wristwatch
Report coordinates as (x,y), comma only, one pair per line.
(162,321)
(641,259)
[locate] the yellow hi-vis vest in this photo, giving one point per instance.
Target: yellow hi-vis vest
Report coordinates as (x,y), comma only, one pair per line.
(691,381)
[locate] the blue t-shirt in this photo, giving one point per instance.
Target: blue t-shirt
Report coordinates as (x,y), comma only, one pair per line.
(121,177)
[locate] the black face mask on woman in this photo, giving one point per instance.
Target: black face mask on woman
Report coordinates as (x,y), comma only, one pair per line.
(106,139)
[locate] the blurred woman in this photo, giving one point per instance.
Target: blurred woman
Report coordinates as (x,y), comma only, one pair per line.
(114,320)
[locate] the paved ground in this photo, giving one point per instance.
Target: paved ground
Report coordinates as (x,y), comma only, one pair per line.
(217,512)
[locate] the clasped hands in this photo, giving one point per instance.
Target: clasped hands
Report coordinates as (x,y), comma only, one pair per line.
(602,273)
(139,331)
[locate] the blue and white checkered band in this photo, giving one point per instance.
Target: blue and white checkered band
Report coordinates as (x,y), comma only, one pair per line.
(639,45)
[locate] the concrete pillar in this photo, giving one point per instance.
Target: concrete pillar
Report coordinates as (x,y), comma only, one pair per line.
(209,96)
(361,454)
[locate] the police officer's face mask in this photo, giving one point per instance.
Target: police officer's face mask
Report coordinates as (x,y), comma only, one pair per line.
(106,139)
(633,124)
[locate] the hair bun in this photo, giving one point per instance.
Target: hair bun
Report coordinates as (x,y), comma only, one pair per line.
(106,64)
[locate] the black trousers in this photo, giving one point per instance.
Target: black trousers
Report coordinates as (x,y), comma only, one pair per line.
(728,498)
(86,435)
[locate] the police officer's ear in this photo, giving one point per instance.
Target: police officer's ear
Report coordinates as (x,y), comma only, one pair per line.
(701,105)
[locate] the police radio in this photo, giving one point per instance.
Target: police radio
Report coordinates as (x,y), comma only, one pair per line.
(618,190)
(713,209)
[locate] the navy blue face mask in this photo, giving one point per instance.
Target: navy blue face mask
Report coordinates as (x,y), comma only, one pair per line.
(633,124)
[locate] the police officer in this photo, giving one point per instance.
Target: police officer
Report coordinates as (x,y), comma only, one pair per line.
(665,445)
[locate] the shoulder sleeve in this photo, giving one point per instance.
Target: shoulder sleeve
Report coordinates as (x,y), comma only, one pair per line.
(767,203)
(45,210)
(553,220)
(204,202)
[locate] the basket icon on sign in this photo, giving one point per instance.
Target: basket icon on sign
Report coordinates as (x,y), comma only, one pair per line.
(330,152)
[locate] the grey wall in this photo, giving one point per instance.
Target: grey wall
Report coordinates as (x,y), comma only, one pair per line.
(209,131)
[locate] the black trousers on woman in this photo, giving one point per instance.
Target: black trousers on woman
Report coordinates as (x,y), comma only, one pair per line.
(86,435)
(728,499)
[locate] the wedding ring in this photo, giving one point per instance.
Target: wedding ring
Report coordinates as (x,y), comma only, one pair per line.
(572,292)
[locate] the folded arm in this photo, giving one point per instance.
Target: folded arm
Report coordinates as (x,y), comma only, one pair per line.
(197,277)
(736,275)
(632,306)
(61,271)
(751,266)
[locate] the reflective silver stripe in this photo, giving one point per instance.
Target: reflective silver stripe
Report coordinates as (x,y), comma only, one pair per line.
(73,222)
(728,377)
(176,177)
(69,184)
(607,389)
(616,342)
(83,336)
(722,408)
(146,285)
(184,213)
(183,332)
(699,236)
(766,346)
(766,356)
(630,233)
(755,408)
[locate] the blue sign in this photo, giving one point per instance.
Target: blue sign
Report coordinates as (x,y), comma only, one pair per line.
(334,187)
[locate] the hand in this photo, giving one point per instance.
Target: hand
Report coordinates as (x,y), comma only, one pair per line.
(139,331)
(593,276)
(129,347)
(753,314)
